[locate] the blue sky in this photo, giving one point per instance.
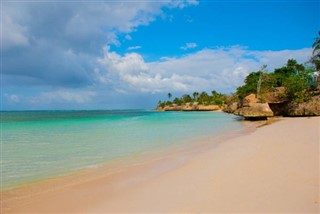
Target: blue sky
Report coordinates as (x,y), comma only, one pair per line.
(264,25)
(130,54)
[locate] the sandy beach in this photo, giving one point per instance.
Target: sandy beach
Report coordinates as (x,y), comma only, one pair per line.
(273,169)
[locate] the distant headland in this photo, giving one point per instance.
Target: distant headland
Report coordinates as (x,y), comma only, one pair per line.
(292,90)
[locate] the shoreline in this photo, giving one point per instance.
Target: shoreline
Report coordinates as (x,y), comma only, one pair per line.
(171,178)
(188,145)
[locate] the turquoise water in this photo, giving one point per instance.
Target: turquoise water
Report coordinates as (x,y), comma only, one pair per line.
(41,144)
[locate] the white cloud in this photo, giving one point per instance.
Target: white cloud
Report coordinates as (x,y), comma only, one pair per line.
(133,48)
(184,3)
(222,69)
(74,32)
(190,45)
(275,58)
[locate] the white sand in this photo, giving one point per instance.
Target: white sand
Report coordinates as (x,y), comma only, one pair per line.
(274,169)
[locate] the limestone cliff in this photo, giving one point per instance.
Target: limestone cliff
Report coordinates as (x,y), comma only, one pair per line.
(190,107)
(309,108)
(274,104)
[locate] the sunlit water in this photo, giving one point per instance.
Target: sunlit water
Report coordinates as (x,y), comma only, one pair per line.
(41,144)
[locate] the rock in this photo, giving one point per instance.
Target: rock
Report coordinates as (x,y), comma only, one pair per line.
(172,108)
(159,109)
(277,95)
(253,110)
(279,109)
(310,108)
(258,111)
(208,108)
(231,107)
(190,107)
(250,100)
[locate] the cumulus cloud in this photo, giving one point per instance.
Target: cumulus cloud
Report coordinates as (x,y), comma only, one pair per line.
(128,75)
(60,49)
(221,69)
(276,58)
(57,43)
(190,45)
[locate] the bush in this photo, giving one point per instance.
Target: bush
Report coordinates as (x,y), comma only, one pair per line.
(250,86)
(297,88)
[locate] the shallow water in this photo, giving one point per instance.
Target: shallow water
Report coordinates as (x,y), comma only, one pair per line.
(37,145)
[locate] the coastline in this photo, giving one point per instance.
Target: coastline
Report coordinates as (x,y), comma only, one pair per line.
(274,168)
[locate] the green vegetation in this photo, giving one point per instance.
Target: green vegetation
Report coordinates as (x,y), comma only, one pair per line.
(298,81)
(200,98)
(315,59)
(295,78)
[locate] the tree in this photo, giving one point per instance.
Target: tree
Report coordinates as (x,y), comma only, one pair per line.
(297,87)
(315,59)
(292,62)
(316,46)
(186,98)
(250,86)
(177,101)
(169,95)
(218,98)
(203,97)
(214,93)
(281,74)
(263,70)
(195,96)
(161,104)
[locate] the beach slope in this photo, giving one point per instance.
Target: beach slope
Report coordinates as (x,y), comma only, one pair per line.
(273,169)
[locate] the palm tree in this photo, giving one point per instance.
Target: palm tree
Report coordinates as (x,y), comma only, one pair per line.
(195,96)
(214,93)
(160,103)
(169,95)
(203,97)
(186,98)
(315,59)
(316,46)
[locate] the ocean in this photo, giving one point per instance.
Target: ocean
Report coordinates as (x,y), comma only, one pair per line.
(37,145)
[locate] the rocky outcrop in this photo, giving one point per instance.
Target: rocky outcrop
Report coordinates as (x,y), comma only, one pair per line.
(277,95)
(231,108)
(257,111)
(190,107)
(252,109)
(310,108)
(208,107)
(279,109)
(276,104)
(250,100)
(172,108)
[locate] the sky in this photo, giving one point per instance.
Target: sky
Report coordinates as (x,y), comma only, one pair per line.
(130,54)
